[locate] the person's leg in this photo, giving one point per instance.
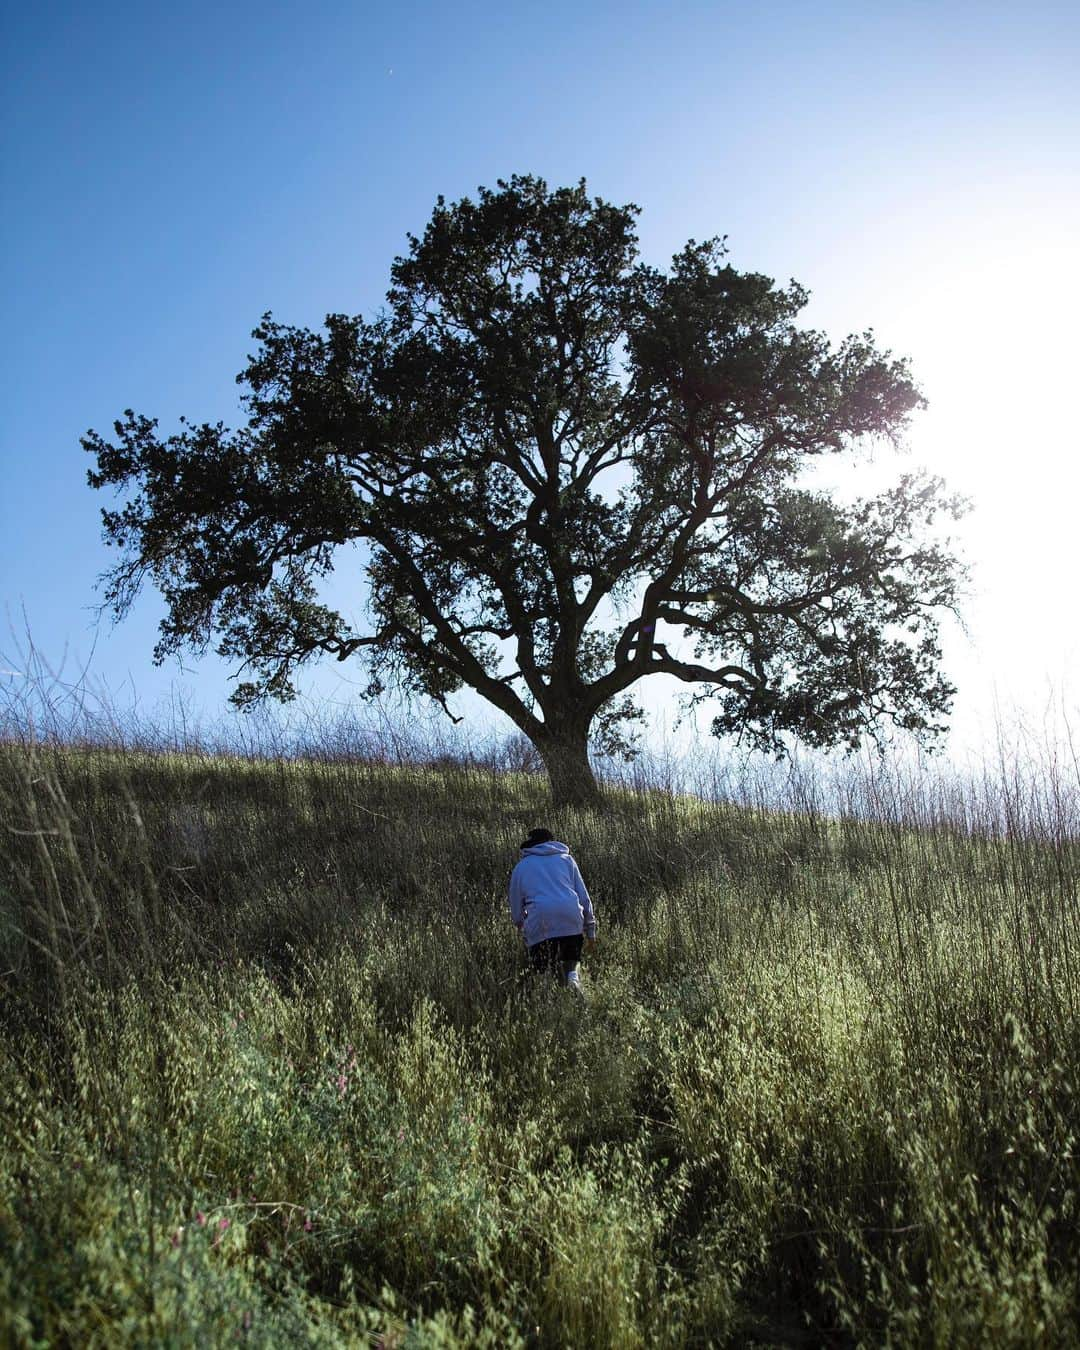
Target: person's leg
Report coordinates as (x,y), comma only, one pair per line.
(544,957)
(534,966)
(570,958)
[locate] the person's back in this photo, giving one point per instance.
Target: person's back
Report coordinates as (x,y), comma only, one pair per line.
(550,905)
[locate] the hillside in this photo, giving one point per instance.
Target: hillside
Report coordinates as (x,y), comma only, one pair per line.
(270,1070)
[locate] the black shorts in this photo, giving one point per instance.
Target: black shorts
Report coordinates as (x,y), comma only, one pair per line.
(555,953)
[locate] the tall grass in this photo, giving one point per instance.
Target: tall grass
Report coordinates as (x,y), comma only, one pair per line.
(270,1071)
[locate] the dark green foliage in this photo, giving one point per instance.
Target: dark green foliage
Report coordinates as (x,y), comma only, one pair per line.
(558,460)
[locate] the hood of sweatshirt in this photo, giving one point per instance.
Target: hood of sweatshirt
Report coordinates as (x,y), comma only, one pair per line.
(545,850)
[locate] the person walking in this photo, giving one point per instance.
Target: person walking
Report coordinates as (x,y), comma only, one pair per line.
(550,907)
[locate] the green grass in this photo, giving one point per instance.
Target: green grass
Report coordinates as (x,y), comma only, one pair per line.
(269,1075)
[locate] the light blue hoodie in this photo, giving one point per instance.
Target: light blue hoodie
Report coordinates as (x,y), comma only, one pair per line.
(548,898)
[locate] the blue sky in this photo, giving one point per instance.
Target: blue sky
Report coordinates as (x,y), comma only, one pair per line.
(169,173)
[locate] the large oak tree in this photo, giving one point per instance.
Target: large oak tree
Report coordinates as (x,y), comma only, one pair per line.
(570,471)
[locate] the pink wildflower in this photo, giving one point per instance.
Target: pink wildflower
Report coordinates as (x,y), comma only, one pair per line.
(200,1219)
(308,1225)
(341,1081)
(176,1238)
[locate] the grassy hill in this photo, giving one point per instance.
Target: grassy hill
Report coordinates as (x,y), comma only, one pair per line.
(270,1071)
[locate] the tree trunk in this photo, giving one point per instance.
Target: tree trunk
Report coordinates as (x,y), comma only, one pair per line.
(566,758)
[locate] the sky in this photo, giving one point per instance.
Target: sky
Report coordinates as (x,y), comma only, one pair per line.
(169,173)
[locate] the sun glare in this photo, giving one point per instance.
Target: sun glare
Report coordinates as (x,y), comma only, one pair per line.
(997,353)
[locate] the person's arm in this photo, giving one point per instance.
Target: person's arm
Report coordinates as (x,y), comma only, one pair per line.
(586,904)
(517,900)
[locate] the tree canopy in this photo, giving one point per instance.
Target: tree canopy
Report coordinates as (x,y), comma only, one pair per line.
(570,470)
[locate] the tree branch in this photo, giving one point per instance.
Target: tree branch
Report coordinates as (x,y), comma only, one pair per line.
(465,663)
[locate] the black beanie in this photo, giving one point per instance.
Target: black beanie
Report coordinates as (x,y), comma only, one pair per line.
(537,836)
